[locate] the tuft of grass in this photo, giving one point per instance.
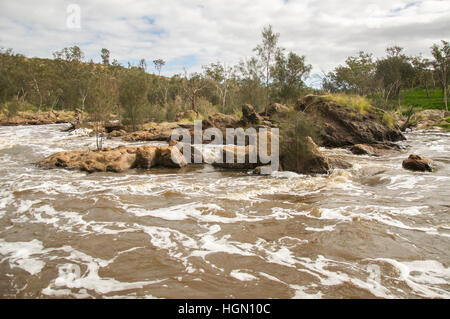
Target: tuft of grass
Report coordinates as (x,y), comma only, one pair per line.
(238,113)
(388,120)
(356,102)
(186,120)
(148,126)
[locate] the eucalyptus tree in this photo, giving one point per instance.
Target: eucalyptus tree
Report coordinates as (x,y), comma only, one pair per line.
(159,63)
(267,51)
(193,85)
(105,56)
(133,89)
(101,100)
(289,72)
(355,76)
(394,72)
(441,64)
(423,72)
(221,77)
(249,75)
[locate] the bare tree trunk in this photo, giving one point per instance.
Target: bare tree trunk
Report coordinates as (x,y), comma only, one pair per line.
(224,99)
(445,97)
(83,100)
(193,106)
(96,134)
(267,89)
(407,124)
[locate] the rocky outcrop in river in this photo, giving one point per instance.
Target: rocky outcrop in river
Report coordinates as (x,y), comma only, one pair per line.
(341,126)
(117,159)
(338,126)
(42,118)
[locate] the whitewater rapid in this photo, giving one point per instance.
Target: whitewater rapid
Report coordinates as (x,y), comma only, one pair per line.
(375,230)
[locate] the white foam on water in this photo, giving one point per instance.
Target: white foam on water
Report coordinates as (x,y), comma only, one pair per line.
(288,175)
(325,228)
(90,279)
(274,253)
(382,214)
(404,181)
(211,244)
(159,184)
(273,278)
(22,255)
(300,293)
(426,278)
(81,132)
(242,276)
(6,198)
(6,144)
(24,206)
(199,211)
(174,242)
(166,238)
(67,221)
(318,267)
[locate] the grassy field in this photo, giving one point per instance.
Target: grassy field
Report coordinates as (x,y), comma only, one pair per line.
(418,97)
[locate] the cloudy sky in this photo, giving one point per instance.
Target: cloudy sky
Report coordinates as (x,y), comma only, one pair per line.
(193,33)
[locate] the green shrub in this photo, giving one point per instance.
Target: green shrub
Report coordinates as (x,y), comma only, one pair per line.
(12,108)
(205,108)
(293,145)
(171,111)
(156,113)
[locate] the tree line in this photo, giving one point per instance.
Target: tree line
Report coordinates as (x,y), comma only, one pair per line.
(69,82)
(384,78)
(135,95)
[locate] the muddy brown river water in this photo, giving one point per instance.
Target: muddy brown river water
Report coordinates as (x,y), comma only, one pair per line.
(375,230)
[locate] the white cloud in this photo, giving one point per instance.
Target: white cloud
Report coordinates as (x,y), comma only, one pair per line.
(199,32)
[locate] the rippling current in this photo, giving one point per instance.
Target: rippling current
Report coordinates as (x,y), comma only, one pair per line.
(375,230)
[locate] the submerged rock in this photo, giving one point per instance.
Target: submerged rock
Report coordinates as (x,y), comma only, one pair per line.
(377,149)
(263,170)
(418,163)
(362,149)
(336,161)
